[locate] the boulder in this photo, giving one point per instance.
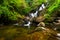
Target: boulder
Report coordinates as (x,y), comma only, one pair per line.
(40,19)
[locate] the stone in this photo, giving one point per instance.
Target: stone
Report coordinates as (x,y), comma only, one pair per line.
(40,19)
(41,24)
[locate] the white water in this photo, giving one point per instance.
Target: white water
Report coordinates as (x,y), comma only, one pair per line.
(28,24)
(32,15)
(35,14)
(42,7)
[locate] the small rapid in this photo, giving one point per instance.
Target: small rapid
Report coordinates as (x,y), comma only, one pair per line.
(34,15)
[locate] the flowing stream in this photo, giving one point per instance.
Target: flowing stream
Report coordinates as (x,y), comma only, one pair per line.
(34,15)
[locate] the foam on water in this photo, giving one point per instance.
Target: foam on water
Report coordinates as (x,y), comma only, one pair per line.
(40,8)
(32,15)
(28,24)
(35,14)
(43,6)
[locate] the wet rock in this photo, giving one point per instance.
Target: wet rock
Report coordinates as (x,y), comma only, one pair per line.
(40,19)
(44,34)
(41,24)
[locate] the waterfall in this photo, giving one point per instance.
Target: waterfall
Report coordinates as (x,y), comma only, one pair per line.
(28,24)
(42,7)
(32,15)
(35,14)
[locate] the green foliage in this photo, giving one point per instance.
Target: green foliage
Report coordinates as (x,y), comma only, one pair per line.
(21,7)
(52,8)
(4,11)
(12,8)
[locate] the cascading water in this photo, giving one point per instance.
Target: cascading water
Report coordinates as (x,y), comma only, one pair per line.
(28,24)
(33,15)
(42,7)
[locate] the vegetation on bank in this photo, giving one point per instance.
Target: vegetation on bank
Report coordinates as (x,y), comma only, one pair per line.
(12,11)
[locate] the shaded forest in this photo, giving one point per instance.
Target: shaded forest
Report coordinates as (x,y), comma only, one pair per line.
(29,19)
